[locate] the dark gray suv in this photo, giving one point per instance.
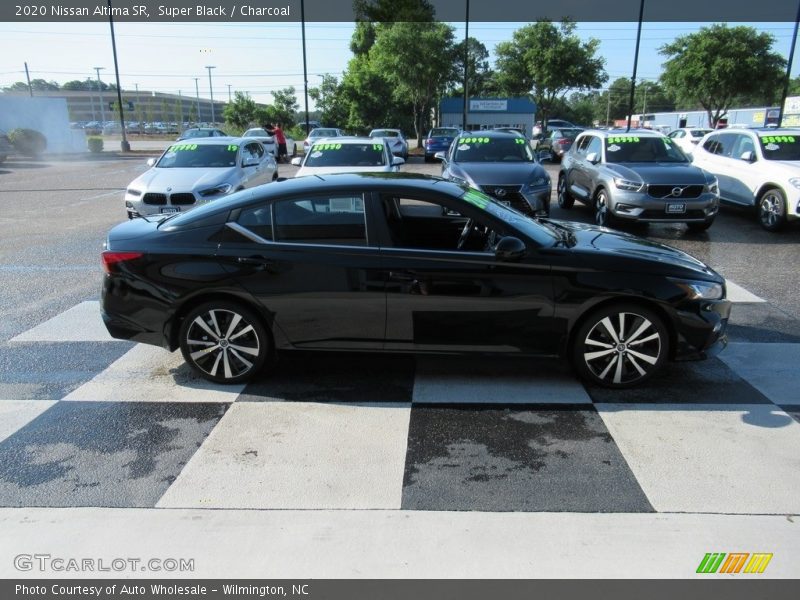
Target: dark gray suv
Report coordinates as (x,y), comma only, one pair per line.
(637,175)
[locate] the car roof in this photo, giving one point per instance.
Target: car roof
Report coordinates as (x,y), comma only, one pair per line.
(606,133)
(490,133)
(220,139)
(352,139)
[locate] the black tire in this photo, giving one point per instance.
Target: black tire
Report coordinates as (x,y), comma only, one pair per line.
(602,213)
(631,352)
(772,209)
(565,199)
(698,227)
(210,328)
(554,157)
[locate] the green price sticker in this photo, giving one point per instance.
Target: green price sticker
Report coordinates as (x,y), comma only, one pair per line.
(183,147)
(231,147)
(377,146)
(778,139)
(623,139)
(474,140)
(475,198)
(519,141)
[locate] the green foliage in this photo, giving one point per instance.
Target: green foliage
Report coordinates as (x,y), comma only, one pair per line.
(284,106)
(241,112)
(794,86)
(330,101)
(720,66)
(480,74)
(95,143)
(418,60)
(38,85)
(28,142)
(385,11)
(545,60)
(88,84)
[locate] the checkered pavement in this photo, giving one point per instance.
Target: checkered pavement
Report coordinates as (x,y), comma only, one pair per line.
(87,421)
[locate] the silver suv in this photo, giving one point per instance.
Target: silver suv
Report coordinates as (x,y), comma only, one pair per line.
(637,175)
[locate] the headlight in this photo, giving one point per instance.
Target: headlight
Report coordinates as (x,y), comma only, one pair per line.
(220,189)
(713,187)
(459,180)
(133,192)
(795,181)
(701,290)
(625,184)
(539,182)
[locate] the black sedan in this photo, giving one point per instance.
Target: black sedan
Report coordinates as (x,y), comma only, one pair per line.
(502,165)
(403,263)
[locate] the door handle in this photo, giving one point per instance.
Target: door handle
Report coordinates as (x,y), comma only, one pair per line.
(402,276)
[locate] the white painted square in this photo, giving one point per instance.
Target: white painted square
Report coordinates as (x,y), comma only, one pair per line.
(472,381)
(730,458)
(81,323)
(737,293)
(298,455)
(770,368)
(15,414)
(151,374)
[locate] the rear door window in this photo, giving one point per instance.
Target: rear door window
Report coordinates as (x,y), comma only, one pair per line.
(335,220)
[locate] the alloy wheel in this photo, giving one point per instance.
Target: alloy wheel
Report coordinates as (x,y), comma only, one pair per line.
(771,209)
(623,348)
(602,215)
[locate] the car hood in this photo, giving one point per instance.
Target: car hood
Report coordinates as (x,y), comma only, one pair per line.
(651,257)
(182,179)
(303,171)
(498,173)
(659,173)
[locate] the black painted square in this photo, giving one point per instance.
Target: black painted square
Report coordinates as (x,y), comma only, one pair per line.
(117,454)
(533,458)
(329,377)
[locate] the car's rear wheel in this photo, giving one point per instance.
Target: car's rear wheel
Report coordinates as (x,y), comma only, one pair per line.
(772,209)
(602,211)
(620,346)
(224,342)
(565,199)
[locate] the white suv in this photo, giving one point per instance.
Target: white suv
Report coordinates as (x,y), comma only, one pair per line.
(756,167)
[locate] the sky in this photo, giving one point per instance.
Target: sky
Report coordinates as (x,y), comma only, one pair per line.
(260,57)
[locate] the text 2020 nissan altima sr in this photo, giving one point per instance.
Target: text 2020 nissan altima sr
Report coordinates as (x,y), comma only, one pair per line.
(403,263)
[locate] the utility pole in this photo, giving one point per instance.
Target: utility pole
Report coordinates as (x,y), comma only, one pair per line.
(608,108)
(229,93)
(28,76)
(138,110)
(305,68)
(644,102)
(100,91)
(211,91)
(466,69)
(124,145)
(635,62)
(785,91)
(180,111)
(197,92)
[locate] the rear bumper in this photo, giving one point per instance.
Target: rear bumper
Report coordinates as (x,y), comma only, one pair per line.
(122,329)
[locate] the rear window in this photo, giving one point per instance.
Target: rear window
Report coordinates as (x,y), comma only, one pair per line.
(323,133)
(443,132)
(346,155)
(698,133)
(322,220)
(384,133)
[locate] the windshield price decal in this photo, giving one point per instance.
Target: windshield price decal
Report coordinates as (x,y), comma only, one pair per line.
(320,147)
(474,140)
(622,139)
(778,139)
(376,146)
(182,147)
(476,198)
(519,141)
(233,148)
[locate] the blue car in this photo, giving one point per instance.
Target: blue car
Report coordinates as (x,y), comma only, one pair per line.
(439,140)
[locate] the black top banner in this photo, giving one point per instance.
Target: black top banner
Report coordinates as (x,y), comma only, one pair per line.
(277,11)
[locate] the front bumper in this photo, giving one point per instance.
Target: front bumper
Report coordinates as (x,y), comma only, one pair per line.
(639,206)
(701,329)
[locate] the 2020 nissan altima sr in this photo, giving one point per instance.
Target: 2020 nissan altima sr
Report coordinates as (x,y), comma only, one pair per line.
(197,171)
(401,262)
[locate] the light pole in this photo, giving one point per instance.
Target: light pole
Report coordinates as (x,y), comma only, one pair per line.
(197,92)
(124,145)
(100,91)
(211,91)
(229,93)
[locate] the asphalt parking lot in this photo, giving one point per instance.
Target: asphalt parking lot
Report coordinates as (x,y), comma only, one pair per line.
(363,465)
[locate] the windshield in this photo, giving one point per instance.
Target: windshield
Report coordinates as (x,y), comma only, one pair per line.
(443,132)
(323,133)
(632,148)
(384,133)
(698,133)
(493,149)
(538,232)
(780,147)
(346,155)
(199,156)
(191,133)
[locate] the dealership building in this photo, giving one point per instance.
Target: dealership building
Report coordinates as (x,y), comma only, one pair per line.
(488,113)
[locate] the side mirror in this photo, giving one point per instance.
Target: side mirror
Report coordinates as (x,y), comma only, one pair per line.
(297,161)
(440,156)
(748,156)
(250,161)
(510,248)
(397,161)
(593,157)
(151,162)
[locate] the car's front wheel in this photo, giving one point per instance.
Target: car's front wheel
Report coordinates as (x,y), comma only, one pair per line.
(602,211)
(224,342)
(620,346)
(565,199)
(772,209)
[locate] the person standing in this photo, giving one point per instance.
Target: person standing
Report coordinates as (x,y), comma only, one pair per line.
(275,131)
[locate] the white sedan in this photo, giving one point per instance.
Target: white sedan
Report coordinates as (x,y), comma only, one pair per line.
(347,155)
(197,171)
(687,138)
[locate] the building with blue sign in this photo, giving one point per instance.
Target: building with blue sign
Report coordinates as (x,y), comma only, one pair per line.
(488,113)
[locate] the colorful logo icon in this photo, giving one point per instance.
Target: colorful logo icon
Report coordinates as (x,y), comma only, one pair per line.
(734,562)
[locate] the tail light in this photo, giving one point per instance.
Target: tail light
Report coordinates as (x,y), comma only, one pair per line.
(111,259)
(564,142)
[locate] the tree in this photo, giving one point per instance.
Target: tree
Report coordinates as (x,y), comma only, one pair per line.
(719,66)
(38,85)
(417,59)
(478,64)
(241,112)
(387,11)
(87,85)
(284,103)
(329,100)
(545,60)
